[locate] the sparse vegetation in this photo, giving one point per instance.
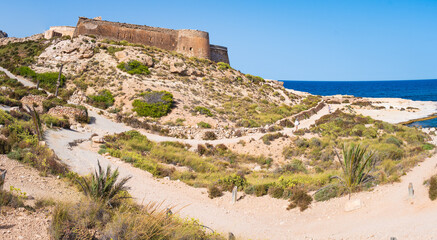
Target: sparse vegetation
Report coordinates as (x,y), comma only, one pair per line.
(299,198)
(203,125)
(103,99)
(357,164)
(202,110)
(432,192)
(134,67)
(153,104)
(103,186)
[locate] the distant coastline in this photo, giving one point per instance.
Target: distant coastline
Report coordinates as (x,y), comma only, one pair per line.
(417,90)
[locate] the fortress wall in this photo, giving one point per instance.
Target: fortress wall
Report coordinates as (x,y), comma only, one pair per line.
(219,54)
(158,37)
(188,42)
(193,43)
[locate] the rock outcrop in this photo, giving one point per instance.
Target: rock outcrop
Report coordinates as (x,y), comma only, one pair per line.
(33,101)
(3,34)
(71,112)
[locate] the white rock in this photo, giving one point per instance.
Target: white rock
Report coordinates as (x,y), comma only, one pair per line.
(257,168)
(352,205)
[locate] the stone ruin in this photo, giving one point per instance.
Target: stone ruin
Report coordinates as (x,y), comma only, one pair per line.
(191,43)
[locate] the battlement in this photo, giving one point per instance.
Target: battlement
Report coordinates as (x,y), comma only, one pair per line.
(192,43)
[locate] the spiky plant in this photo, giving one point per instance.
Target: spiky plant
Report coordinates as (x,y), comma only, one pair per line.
(37,122)
(357,163)
(103,185)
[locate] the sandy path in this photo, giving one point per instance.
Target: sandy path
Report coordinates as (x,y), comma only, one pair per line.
(386,212)
(24,81)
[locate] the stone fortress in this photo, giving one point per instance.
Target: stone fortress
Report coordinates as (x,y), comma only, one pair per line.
(191,43)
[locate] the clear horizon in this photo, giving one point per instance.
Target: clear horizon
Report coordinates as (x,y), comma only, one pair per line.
(324,39)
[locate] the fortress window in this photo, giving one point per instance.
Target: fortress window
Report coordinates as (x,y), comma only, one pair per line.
(191,48)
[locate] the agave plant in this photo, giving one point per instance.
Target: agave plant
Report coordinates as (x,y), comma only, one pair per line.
(357,163)
(103,185)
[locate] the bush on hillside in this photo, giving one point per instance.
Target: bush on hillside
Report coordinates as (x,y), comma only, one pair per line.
(202,110)
(134,67)
(255,79)
(49,80)
(52,121)
(214,191)
(25,71)
(432,192)
(203,125)
(103,99)
(153,104)
(299,198)
(209,135)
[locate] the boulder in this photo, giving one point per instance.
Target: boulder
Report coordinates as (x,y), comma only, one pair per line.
(78,97)
(179,68)
(352,205)
(71,112)
(33,100)
(128,55)
(97,139)
(3,34)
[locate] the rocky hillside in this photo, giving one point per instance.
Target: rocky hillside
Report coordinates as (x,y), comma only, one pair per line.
(203,91)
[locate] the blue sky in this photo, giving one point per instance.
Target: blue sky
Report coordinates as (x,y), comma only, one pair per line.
(295,40)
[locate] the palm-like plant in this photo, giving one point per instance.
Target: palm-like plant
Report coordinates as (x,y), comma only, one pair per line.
(357,164)
(103,184)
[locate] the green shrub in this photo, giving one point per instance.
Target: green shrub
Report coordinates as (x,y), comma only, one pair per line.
(261,189)
(54,121)
(25,71)
(432,192)
(209,135)
(202,110)
(10,200)
(103,99)
(255,79)
(326,193)
(299,198)
(51,102)
(271,137)
(229,182)
(276,191)
(204,125)
(153,104)
(10,102)
(295,166)
(49,80)
(223,66)
(134,67)
(428,146)
(214,191)
(394,140)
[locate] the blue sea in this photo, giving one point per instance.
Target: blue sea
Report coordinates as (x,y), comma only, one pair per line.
(423,90)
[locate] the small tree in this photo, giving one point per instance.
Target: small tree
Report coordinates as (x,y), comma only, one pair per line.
(102,186)
(357,164)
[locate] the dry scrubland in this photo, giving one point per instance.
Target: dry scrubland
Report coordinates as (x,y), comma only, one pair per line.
(167,94)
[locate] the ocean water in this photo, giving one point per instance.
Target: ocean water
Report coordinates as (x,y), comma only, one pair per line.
(423,90)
